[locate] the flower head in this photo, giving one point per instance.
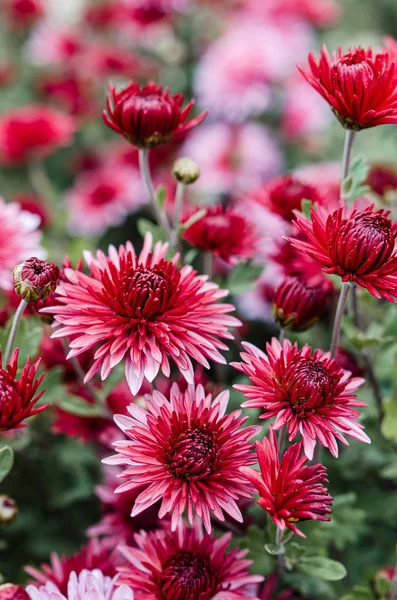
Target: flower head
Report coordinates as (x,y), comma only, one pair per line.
(186,565)
(35,279)
(296,305)
(33,132)
(10,591)
(148,116)
(290,491)
(360,85)
(225,232)
(144,309)
(88,585)
(18,396)
(20,238)
(187,452)
(23,13)
(357,245)
(309,393)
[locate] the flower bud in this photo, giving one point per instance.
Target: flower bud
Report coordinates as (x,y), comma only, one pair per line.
(35,279)
(186,171)
(8,510)
(10,591)
(297,306)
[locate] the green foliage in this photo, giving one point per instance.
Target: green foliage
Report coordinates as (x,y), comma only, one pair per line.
(28,337)
(320,567)
(243,277)
(254,541)
(306,208)
(6,461)
(145,226)
(354,186)
(359,593)
(389,423)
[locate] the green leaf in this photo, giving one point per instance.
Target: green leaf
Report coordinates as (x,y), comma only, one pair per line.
(320,567)
(243,277)
(6,461)
(389,423)
(28,338)
(160,196)
(254,542)
(77,406)
(353,185)
(305,208)
(273,549)
(359,593)
(190,256)
(193,219)
(145,226)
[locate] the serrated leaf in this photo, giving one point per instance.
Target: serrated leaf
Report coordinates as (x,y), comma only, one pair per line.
(320,567)
(144,226)
(79,407)
(6,461)
(243,277)
(353,186)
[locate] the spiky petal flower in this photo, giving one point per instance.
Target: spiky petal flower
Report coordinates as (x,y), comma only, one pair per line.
(357,245)
(186,565)
(187,452)
(289,490)
(88,585)
(18,395)
(144,309)
(360,85)
(296,305)
(308,393)
(148,116)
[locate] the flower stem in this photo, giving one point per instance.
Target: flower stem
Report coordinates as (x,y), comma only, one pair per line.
(14,330)
(180,188)
(279,542)
(281,335)
(349,139)
(159,214)
(338,318)
(208,264)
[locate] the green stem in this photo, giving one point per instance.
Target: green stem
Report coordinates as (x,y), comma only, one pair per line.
(349,139)
(208,264)
(280,557)
(14,330)
(180,188)
(338,318)
(159,214)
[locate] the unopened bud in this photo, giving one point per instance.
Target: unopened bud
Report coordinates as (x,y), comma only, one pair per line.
(10,591)
(35,279)
(8,510)
(186,171)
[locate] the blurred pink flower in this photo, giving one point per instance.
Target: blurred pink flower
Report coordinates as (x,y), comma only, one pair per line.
(318,12)
(305,113)
(49,44)
(19,240)
(103,198)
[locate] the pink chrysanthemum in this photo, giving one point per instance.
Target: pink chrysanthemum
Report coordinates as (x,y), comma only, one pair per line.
(187,452)
(309,393)
(19,240)
(92,556)
(357,245)
(88,585)
(186,565)
(289,490)
(144,309)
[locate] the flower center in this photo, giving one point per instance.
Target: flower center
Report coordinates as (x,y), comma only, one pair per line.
(309,384)
(193,454)
(188,575)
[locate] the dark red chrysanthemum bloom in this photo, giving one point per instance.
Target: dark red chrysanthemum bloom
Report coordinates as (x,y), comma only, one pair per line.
(92,556)
(289,490)
(224,232)
(11,591)
(284,194)
(142,308)
(70,91)
(296,305)
(33,132)
(35,279)
(187,452)
(382,178)
(186,565)
(18,396)
(309,393)
(23,13)
(357,245)
(360,86)
(148,116)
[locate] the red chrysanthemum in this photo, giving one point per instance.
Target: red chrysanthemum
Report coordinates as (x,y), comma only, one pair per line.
(284,194)
(92,556)
(224,232)
(187,452)
(18,396)
(309,393)
(145,309)
(382,178)
(297,305)
(289,490)
(357,245)
(33,132)
(360,85)
(186,565)
(11,591)
(148,116)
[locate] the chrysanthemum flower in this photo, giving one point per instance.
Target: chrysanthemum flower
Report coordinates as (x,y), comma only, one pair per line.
(186,565)
(357,245)
(148,116)
(144,309)
(187,452)
(11,591)
(23,13)
(289,490)
(308,393)
(224,232)
(88,585)
(360,85)
(35,279)
(18,396)
(33,132)
(297,305)
(20,239)
(92,556)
